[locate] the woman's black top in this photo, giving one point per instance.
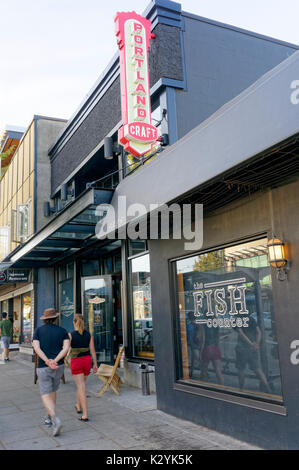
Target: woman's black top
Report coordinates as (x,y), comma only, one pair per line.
(81,341)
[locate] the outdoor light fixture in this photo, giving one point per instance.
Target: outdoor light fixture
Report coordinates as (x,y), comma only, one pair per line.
(108,148)
(277,257)
(48,210)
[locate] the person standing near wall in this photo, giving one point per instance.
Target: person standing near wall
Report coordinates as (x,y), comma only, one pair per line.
(5,333)
(51,344)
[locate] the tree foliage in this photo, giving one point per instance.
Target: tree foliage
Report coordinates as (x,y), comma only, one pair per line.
(209,261)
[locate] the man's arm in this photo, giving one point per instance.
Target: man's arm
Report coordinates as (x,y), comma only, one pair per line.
(39,352)
(64,351)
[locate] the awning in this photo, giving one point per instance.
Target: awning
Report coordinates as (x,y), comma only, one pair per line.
(70,231)
(4,266)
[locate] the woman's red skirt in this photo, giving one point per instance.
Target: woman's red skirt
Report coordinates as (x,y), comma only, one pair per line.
(81,365)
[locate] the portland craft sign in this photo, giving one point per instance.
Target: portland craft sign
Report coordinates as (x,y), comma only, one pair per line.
(133,33)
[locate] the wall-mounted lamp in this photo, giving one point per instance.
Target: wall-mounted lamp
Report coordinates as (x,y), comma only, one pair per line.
(277,257)
(110,148)
(48,210)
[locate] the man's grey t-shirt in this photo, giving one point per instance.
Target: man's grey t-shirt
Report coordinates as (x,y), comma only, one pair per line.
(51,339)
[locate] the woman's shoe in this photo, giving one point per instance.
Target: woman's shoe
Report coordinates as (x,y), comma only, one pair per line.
(78,411)
(83,419)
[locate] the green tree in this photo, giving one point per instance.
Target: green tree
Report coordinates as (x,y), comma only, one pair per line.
(209,261)
(4,156)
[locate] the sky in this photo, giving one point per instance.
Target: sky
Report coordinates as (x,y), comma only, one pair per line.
(53,51)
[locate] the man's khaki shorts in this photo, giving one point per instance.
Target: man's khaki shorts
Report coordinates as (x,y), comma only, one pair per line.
(49,379)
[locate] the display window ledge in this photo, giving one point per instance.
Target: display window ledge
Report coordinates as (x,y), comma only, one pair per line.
(186,387)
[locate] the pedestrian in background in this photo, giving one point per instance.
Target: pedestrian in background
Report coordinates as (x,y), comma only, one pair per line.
(5,333)
(51,344)
(82,349)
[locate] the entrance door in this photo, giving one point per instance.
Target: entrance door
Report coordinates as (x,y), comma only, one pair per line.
(97,308)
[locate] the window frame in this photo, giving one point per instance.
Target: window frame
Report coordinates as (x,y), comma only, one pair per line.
(131,338)
(21,238)
(214,391)
(59,282)
(7,238)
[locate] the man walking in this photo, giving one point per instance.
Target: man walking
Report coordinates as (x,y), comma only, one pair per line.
(51,344)
(5,333)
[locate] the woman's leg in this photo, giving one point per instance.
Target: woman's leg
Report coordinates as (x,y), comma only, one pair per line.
(81,393)
(78,404)
(217,367)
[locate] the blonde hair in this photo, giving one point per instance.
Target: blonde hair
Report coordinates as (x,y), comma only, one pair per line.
(79,322)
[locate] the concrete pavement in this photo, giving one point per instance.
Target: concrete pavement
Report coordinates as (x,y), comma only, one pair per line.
(126,422)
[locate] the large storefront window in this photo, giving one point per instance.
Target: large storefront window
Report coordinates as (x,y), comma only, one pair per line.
(16,319)
(226,324)
(27,318)
(66,295)
(142,306)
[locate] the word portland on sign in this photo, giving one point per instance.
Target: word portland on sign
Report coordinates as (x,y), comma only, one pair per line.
(133,37)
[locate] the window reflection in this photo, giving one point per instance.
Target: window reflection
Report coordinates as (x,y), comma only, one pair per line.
(227,325)
(27,318)
(66,295)
(142,306)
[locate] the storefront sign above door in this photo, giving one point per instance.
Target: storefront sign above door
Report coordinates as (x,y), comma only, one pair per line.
(133,37)
(14,275)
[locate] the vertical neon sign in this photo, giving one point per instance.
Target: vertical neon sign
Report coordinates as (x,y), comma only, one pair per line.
(133,33)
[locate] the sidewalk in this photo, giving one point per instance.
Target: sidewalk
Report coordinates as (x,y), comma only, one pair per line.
(127,422)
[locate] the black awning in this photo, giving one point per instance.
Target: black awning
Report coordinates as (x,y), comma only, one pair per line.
(70,231)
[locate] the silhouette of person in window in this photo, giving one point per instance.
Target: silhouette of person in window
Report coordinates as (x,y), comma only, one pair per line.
(247,352)
(211,352)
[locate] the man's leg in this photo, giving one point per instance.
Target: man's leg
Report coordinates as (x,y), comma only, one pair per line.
(47,390)
(49,402)
(6,342)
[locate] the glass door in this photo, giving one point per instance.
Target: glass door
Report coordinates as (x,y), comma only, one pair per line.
(97,308)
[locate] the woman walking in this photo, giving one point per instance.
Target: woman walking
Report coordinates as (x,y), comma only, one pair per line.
(82,349)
